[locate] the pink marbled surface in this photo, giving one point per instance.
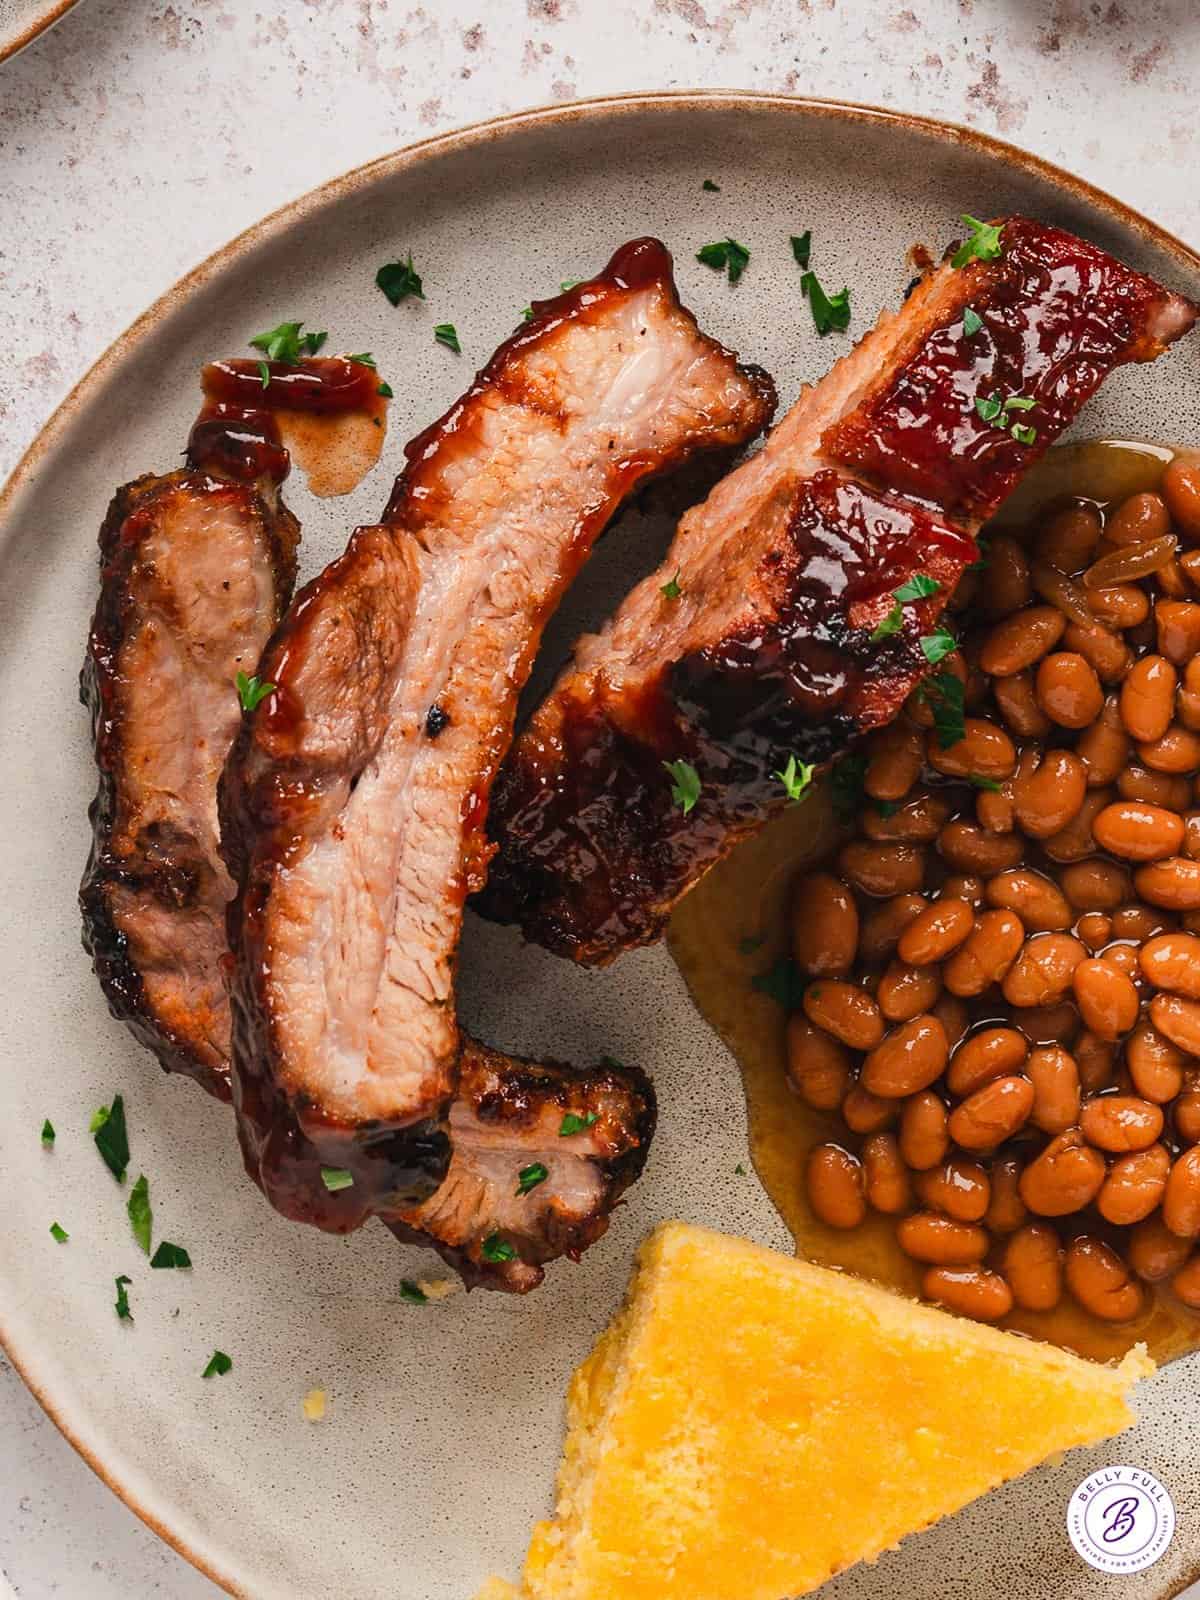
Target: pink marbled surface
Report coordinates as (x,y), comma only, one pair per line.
(137,137)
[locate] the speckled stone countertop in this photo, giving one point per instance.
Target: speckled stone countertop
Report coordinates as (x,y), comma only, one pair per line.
(138,136)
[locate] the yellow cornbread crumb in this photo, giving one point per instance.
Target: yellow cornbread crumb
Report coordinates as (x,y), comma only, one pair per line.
(497,1589)
(314,1405)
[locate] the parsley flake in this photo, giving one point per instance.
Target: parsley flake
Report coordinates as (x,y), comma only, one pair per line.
(170,1255)
(385,389)
(218,1365)
(612,1063)
(972,322)
(335,1178)
(891,624)
(725,255)
(983,783)
(446,333)
(997,412)
(48,1134)
(685,789)
(59,1232)
(571,1124)
(141,1217)
(398,280)
(569,283)
(251,692)
(122,1306)
(918,587)
(494,1248)
(529,1177)
(1023,433)
(846,785)
(740,1170)
(796,778)
(981,244)
(710,187)
(945,696)
(830,312)
(286,344)
(671,590)
(937,646)
(366,359)
(413,1293)
(784,983)
(264,374)
(802,247)
(108,1129)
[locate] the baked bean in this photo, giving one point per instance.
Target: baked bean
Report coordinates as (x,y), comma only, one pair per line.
(905,991)
(1186,1283)
(994,809)
(1186,1117)
(1137,831)
(1065,1177)
(1095,885)
(925,1236)
(836,1187)
(1187,701)
(1033,1265)
(924,1136)
(1172,961)
(1171,579)
(1048,793)
(894,758)
(1035,899)
(916,821)
(818,1066)
(1156,1066)
(986,954)
(1094,929)
(845,1011)
(1076,840)
(1121,605)
(1068,689)
(1096,1060)
(1178,751)
(984,751)
(970,849)
(957,1188)
(882,870)
(1101,1281)
(1178,630)
(882,925)
(1191,834)
(1134,1186)
(824,926)
(1181,1199)
(954,1018)
(864,1112)
(1042,972)
(1055,1079)
(1105,747)
(1148,697)
(1007,1210)
(1108,1001)
(1189,565)
(1106,653)
(962,886)
(972,1291)
(1138,922)
(1173,883)
(989,1054)
(1069,539)
(1154,1251)
(939,929)
(886,1179)
(1181,490)
(1121,1122)
(1008,587)
(1019,707)
(1020,640)
(992,1114)
(1179,1020)
(1139,518)
(1156,788)
(908,1059)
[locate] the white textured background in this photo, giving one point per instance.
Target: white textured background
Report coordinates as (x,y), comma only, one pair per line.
(139,136)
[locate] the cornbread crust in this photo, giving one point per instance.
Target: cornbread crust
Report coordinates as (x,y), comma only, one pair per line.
(751,1424)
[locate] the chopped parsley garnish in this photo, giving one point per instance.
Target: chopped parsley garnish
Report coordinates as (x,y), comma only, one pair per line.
(571,1124)
(846,786)
(48,1134)
(945,696)
(170,1255)
(251,692)
(671,590)
(413,1293)
(446,333)
(527,314)
(937,646)
(710,187)
(796,778)
(399,279)
(685,789)
(918,587)
(981,244)
(829,311)
(287,344)
(59,1232)
(612,1063)
(783,983)
(141,1217)
(886,808)
(366,359)
(972,322)
(122,1306)
(740,1170)
(529,1177)
(1023,433)
(569,283)
(891,624)
(218,1365)
(494,1248)
(108,1129)
(335,1178)
(385,389)
(983,783)
(997,412)
(264,374)
(725,255)
(802,247)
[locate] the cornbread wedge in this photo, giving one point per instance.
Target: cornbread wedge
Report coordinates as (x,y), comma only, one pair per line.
(750,1425)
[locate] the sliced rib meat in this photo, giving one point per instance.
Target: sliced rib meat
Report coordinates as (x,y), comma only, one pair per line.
(354,803)
(883,470)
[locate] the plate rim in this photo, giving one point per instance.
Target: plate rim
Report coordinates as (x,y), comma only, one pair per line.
(430,149)
(27,32)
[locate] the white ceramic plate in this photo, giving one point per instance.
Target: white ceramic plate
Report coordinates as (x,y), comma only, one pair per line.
(22,20)
(443,1427)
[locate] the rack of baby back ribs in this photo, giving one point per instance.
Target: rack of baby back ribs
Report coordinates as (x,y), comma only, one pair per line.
(1003,959)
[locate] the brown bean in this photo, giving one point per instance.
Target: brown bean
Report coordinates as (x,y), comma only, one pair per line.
(1142,516)
(1185,1114)
(1035,899)
(1171,579)
(835,1184)
(992,1114)
(888,1188)
(1008,587)
(1068,690)
(1106,653)
(1156,1066)
(1189,565)
(883,924)
(1172,961)
(1186,1283)
(1177,752)
(984,751)
(1148,697)
(1069,538)
(1181,1199)
(1076,841)
(905,991)
(1138,922)
(845,1011)
(1156,788)
(925,1236)
(1006,1212)
(1105,747)
(916,820)
(1043,971)
(865,1113)
(824,926)
(938,930)
(986,954)
(1065,1177)
(1124,958)
(1018,705)
(1173,883)
(1178,1020)
(1134,1186)
(1095,885)
(882,870)
(1033,1265)
(1094,929)
(1108,1001)
(907,1060)
(1101,1281)
(1154,1251)
(1020,640)
(1122,605)
(987,1055)
(962,886)
(1178,630)
(1132,562)
(1137,831)
(924,1137)
(1181,490)
(1096,1060)
(1055,1078)
(894,758)
(970,849)
(1191,834)
(973,1292)
(1048,792)
(1120,1122)
(957,1188)
(954,1018)
(818,1066)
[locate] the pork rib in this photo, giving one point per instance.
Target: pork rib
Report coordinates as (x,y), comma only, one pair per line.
(883,470)
(354,803)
